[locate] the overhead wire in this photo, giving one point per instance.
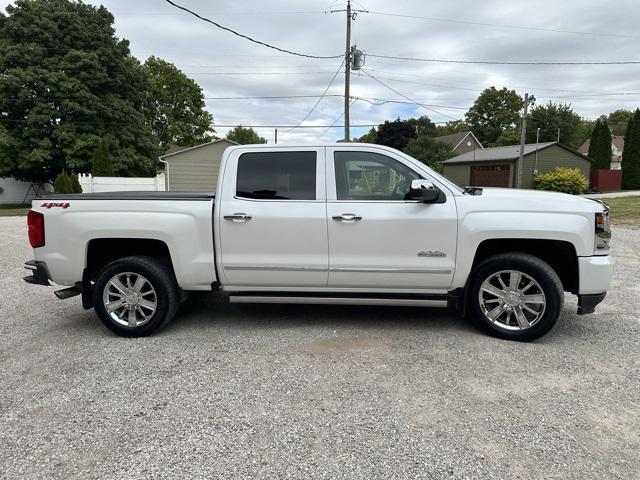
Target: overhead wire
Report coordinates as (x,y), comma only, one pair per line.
(320,98)
(247,37)
(498,25)
(405,96)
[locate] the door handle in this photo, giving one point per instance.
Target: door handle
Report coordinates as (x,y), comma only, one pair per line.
(238,217)
(347,217)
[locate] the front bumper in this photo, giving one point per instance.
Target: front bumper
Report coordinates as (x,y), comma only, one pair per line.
(595,274)
(39,273)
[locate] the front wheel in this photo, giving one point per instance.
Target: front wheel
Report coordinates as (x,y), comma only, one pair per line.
(135,296)
(515,296)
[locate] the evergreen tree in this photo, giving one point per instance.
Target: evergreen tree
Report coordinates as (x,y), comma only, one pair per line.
(101,164)
(65,183)
(600,145)
(74,183)
(631,154)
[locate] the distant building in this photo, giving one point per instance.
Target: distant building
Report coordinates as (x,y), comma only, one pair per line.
(617,146)
(461,142)
(496,167)
(194,169)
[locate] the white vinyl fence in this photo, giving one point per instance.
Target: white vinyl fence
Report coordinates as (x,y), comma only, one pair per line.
(91,184)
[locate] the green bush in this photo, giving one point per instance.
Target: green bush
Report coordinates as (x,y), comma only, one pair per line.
(67,183)
(566,180)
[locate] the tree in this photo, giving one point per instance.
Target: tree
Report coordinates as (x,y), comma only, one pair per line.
(423,126)
(175,106)
(369,137)
(510,136)
(395,134)
(66,81)
(429,151)
(631,154)
(454,126)
(67,183)
(244,136)
(618,121)
(551,117)
(493,112)
(600,145)
(583,131)
(101,164)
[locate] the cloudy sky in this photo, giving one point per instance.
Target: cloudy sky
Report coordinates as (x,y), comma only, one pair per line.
(229,66)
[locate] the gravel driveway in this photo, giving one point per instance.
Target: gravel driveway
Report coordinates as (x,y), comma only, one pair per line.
(240,391)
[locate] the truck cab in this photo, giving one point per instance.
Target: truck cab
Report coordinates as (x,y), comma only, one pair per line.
(337,223)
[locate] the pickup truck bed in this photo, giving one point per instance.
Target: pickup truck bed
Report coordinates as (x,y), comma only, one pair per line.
(188,196)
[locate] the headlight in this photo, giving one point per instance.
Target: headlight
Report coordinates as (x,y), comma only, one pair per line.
(603,231)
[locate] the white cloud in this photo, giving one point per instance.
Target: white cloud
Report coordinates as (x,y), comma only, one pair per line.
(204,53)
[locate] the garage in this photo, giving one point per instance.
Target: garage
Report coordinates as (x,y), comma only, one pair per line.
(497,166)
(496,175)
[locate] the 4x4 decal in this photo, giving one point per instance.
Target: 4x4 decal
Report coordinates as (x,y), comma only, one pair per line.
(55,205)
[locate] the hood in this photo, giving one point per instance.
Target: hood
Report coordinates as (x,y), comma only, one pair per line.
(539,199)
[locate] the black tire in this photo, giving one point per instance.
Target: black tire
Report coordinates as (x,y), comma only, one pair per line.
(161,278)
(537,269)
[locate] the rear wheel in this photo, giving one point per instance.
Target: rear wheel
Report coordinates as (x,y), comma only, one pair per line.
(135,296)
(515,296)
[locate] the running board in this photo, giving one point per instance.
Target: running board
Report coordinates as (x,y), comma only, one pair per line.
(337,299)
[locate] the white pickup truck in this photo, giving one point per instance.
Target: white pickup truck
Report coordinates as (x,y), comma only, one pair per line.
(339,224)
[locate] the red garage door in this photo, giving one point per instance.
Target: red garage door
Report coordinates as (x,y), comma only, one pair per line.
(490,175)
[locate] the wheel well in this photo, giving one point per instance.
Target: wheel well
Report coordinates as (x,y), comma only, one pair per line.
(560,255)
(102,251)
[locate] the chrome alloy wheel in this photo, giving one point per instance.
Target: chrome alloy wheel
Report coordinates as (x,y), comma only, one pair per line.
(512,300)
(130,299)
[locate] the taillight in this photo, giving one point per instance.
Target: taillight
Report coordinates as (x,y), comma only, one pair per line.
(35,222)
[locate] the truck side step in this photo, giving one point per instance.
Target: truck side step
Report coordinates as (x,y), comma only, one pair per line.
(67,293)
(435,301)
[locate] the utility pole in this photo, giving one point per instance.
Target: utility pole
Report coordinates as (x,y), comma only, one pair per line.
(348,59)
(523,133)
(347,74)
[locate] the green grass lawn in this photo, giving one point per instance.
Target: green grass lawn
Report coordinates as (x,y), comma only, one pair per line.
(14,210)
(624,210)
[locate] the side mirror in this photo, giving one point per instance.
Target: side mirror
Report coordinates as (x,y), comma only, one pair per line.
(424,191)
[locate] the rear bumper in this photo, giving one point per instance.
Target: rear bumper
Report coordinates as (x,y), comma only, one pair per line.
(595,274)
(39,273)
(587,303)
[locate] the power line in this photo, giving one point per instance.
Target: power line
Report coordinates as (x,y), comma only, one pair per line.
(381,101)
(485,62)
(321,96)
(256,97)
(62,122)
(514,27)
(404,96)
(246,37)
(337,119)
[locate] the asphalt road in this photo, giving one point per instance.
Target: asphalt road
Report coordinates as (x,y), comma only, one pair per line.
(231,391)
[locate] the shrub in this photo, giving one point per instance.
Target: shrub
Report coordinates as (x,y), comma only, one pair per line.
(67,183)
(566,180)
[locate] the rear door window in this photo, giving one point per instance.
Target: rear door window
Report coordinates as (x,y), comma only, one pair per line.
(277,176)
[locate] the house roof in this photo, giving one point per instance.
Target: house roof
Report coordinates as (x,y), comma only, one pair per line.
(175,150)
(456,139)
(510,152)
(617,140)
